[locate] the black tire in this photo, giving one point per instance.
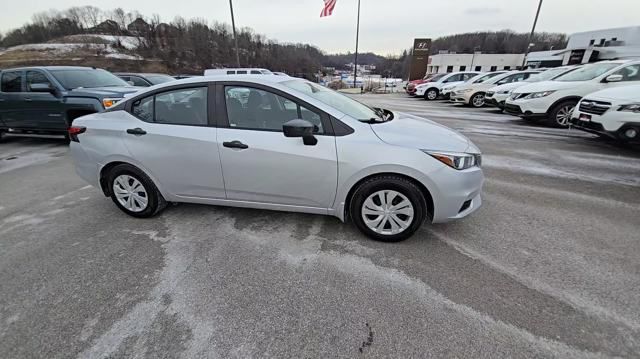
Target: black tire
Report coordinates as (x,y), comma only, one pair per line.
(388,182)
(555,114)
(155,201)
(431,94)
(477,100)
(1,135)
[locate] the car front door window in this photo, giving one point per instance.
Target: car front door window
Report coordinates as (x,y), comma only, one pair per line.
(256,109)
(36,77)
(629,73)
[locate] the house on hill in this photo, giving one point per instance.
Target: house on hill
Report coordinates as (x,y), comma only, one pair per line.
(138,27)
(109,27)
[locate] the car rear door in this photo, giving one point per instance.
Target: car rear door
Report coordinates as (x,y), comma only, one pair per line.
(171,135)
(45,109)
(12,103)
(259,163)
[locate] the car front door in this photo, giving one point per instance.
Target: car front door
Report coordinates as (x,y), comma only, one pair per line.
(170,135)
(260,164)
(45,110)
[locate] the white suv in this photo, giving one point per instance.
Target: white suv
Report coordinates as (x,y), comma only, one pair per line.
(613,112)
(473,94)
(497,96)
(431,90)
(555,100)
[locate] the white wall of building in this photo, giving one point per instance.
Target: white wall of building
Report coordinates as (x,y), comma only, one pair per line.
(443,63)
(629,35)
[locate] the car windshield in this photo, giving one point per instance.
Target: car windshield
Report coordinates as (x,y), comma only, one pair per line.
(547,75)
(338,101)
(87,78)
(588,72)
(437,77)
(483,77)
(159,79)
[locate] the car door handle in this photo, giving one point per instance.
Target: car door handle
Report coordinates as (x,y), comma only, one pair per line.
(136,131)
(28,99)
(235,144)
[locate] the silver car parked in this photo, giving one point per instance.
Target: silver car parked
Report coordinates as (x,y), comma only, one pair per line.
(278,143)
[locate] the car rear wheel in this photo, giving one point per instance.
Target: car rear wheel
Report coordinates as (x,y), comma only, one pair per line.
(134,192)
(431,94)
(388,208)
(560,116)
(477,100)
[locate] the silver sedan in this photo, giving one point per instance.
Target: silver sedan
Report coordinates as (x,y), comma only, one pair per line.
(277,143)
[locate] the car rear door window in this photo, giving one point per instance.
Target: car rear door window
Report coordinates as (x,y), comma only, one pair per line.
(36,77)
(11,81)
(137,81)
(255,109)
(182,107)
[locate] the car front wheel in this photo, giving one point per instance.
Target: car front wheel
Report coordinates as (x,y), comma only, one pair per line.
(388,208)
(431,94)
(477,100)
(561,114)
(134,192)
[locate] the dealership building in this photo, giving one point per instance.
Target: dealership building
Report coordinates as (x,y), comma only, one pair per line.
(451,62)
(591,46)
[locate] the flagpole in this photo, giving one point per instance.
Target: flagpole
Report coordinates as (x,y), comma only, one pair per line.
(355,65)
(235,37)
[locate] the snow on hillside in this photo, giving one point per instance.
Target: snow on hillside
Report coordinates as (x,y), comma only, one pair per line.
(128,42)
(101,45)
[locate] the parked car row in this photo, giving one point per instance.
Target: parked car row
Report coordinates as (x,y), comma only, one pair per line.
(599,98)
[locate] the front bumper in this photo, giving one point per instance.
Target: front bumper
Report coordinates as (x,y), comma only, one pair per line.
(612,124)
(496,100)
(459,195)
(517,110)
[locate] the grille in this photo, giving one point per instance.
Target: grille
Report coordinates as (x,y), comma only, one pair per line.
(594,107)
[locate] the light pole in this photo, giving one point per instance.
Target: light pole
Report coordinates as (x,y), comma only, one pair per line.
(473,56)
(235,37)
(355,65)
(533,29)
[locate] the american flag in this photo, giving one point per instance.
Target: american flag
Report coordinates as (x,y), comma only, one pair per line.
(328,7)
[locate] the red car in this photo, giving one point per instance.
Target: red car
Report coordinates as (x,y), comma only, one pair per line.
(411,86)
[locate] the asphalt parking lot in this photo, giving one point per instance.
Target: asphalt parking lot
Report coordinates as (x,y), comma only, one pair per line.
(547,268)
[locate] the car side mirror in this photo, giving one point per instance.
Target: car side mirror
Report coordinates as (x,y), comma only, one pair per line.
(131,83)
(41,87)
(300,128)
(613,78)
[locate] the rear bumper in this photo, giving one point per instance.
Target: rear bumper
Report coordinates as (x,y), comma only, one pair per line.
(84,166)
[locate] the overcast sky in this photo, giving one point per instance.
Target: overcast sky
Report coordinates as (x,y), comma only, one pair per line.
(386,26)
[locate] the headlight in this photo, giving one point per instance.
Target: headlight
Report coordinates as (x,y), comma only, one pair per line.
(459,161)
(632,107)
(539,94)
(504,92)
(108,102)
(463,90)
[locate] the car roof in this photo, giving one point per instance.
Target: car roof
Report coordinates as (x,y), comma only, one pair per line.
(51,68)
(259,79)
(140,73)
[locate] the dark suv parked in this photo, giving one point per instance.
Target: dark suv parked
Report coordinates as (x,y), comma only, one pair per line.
(47,99)
(144,80)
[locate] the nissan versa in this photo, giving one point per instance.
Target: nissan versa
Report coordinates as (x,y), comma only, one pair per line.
(279,143)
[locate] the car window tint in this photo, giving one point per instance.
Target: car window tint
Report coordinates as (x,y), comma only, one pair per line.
(36,77)
(630,73)
(241,72)
(255,109)
(182,107)
(11,81)
(231,72)
(143,109)
(256,72)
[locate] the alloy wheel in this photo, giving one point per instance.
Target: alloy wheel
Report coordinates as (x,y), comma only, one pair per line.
(387,212)
(563,116)
(478,100)
(130,193)
(432,94)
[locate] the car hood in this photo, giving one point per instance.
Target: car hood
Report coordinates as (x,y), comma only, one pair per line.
(411,131)
(548,86)
(509,86)
(625,93)
(428,84)
(105,92)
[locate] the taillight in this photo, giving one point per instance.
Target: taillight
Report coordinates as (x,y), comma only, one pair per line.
(74,131)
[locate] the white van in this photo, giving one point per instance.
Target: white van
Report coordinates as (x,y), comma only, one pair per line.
(244,71)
